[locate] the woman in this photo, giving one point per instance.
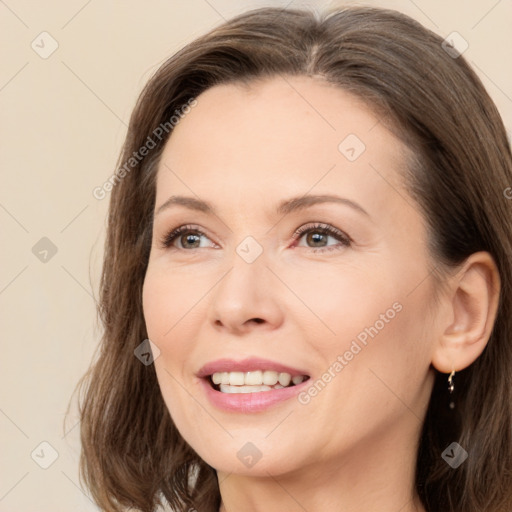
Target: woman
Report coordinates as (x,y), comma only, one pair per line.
(310,223)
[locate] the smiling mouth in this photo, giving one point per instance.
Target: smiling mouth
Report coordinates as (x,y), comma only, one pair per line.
(254,381)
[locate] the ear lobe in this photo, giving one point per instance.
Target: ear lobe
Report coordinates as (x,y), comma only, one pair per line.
(474,305)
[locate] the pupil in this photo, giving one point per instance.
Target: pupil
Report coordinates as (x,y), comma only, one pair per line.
(191,239)
(316,238)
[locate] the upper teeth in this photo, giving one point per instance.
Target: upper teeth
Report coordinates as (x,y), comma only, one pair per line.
(256,378)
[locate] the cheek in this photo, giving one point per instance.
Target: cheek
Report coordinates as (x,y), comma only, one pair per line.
(340,301)
(155,306)
(162,308)
(167,297)
(371,319)
(173,315)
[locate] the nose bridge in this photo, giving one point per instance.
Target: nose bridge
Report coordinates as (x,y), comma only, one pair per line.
(244,293)
(243,284)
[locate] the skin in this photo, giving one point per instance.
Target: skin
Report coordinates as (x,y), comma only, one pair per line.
(352,447)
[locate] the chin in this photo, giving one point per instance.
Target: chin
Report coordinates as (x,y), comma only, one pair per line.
(252,458)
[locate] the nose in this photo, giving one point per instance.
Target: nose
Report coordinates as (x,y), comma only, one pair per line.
(246,298)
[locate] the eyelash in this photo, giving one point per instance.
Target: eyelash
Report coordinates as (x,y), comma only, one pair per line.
(326,229)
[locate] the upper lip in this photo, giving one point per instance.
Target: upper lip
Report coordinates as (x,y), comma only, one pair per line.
(246,365)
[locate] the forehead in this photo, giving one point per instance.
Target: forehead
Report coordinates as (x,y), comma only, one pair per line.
(285,134)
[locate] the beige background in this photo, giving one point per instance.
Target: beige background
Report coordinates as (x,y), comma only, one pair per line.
(62,124)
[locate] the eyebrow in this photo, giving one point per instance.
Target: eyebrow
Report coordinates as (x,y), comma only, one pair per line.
(284,208)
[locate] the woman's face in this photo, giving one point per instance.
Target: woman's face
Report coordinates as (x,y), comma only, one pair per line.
(349,308)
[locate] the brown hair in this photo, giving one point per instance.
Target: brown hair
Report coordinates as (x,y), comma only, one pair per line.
(132,454)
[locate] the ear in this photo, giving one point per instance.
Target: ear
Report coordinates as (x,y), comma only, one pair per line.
(473,304)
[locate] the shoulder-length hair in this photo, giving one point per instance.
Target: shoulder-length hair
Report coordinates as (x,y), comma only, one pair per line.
(460,175)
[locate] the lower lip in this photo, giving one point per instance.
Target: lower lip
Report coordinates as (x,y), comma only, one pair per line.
(250,402)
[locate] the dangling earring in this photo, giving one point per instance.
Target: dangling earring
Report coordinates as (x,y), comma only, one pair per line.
(451,387)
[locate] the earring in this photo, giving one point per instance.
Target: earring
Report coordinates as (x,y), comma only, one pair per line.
(451,388)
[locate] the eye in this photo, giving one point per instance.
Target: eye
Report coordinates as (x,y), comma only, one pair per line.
(187,236)
(317,236)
